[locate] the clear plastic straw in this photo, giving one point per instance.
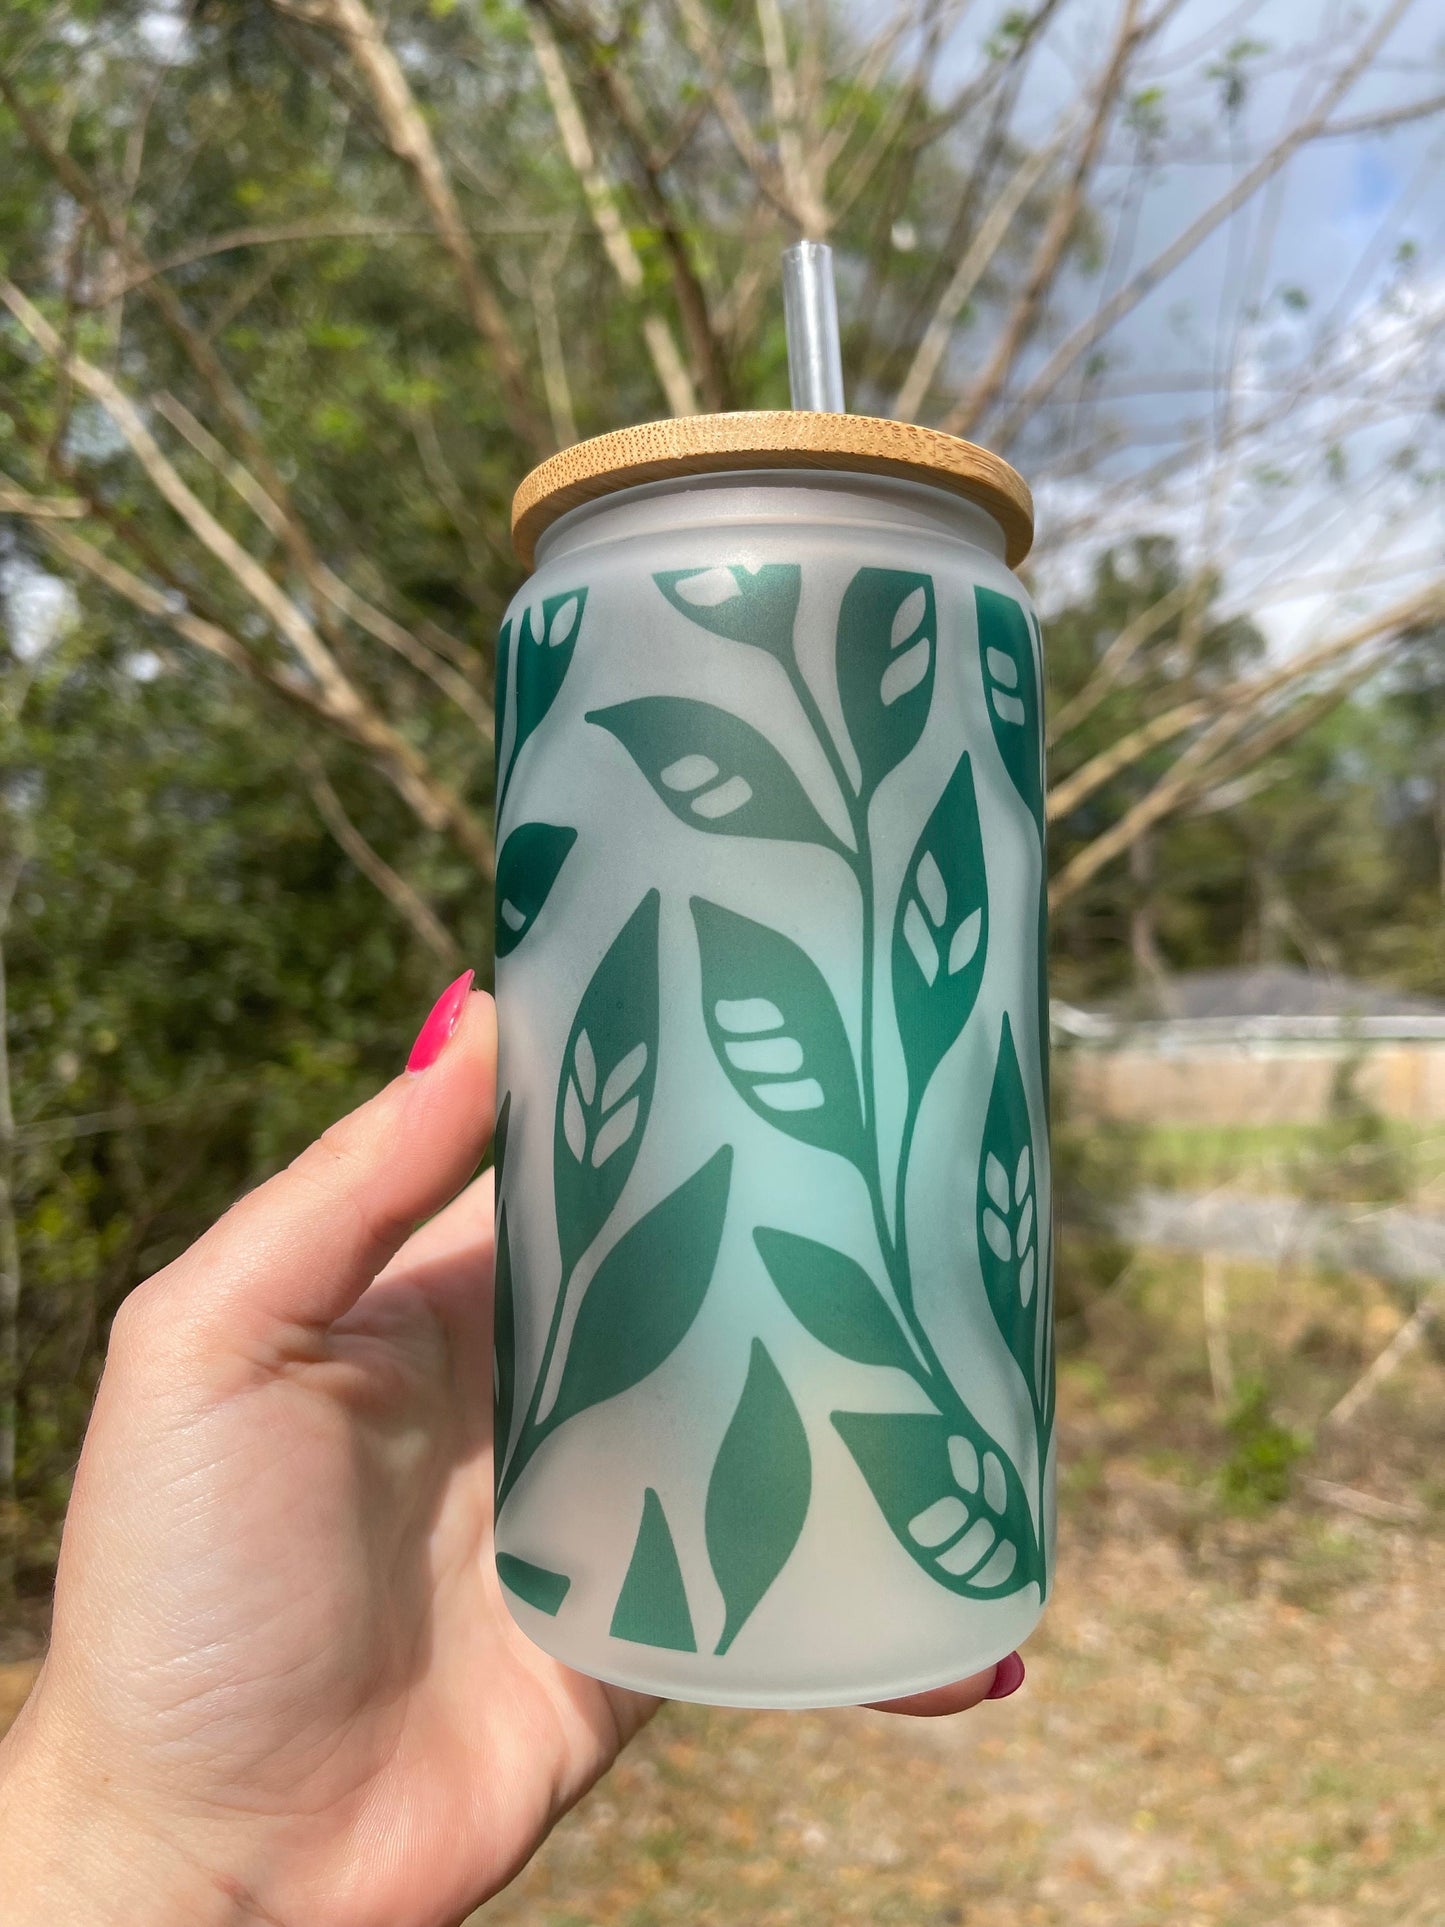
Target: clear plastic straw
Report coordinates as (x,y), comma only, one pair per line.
(810,311)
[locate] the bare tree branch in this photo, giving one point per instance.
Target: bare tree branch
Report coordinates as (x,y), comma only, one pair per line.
(338,698)
(675,380)
(374,621)
(353,23)
(1133,637)
(612,84)
(1058,231)
(374,867)
(992,233)
(1109,313)
(804,199)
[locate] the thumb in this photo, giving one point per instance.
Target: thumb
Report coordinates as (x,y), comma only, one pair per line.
(297,1253)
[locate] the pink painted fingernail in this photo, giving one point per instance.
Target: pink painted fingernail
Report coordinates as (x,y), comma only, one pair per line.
(431,1039)
(1008,1677)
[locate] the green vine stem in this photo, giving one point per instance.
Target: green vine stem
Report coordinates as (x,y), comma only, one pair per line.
(933,1379)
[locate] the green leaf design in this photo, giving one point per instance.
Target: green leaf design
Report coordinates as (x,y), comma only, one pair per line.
(652,1607)
(645,1294)
(1008,1226)
(605,1091)
(951,1496)
(546,641)
(835,1300)
(776,1030)
(940,934)
(526,870)
(714,771)
(757,1496)
(758,606)
(887,646)
(1010,677)
(540,1588)
(504,1344)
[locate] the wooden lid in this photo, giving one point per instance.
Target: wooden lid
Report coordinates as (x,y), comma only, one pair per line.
(771,438)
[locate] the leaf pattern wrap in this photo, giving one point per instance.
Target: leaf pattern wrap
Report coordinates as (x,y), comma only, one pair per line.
(951,1496)
(1009,1233)
(886,650)
(776,1030)
(605,1093)
(527,867)
(757,606)
(940,934)
(645,1294)
(1011,683)
(714,771)
(758,1494)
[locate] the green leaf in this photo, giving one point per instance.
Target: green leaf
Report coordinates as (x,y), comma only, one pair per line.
(1011,680)
(887,646)
(1008,1220)
(758,606)
(540,1588)
(714,771)
(546,641)
(757,1496)
(605,1092)
(776,1030)
(646,1292)
(652,1607)
(499,1146)
(834,1299)
(951,1496)
(940,933)
(526,870)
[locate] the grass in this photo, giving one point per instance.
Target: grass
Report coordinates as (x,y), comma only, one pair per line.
(1270,1158)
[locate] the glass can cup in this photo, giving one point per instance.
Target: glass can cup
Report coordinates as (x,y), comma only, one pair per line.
(774,1349)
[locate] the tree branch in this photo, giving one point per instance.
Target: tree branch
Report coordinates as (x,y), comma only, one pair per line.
(1128,297)
(1058,232)
(409,137)
(667,363)
(338,698)
(374,867)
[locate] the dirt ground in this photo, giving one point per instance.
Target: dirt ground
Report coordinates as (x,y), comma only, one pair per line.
(1245,1733)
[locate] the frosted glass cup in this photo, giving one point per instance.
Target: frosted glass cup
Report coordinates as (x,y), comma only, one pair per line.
(775,1368)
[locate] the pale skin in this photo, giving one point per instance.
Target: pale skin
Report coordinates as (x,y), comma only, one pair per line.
(283,1685)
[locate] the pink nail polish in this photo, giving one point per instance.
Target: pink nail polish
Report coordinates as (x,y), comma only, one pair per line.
(445,1015)
(1008,1677)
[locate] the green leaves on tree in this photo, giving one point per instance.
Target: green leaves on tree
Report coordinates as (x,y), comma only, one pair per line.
(834,1299)
(951,1496)
(940,933)
(640,1304)
(714,771)
(605,1093)
(758,606)
(527,867)
(887,646)
(758,1494)
(652,1608)
(776,1030)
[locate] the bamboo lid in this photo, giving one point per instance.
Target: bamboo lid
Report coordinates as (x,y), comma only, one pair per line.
(771,438)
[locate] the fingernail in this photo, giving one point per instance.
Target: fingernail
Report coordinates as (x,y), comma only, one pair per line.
(431,1039)
(1008,1677)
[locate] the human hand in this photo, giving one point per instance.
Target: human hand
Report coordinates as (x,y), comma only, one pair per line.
(282,1684)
